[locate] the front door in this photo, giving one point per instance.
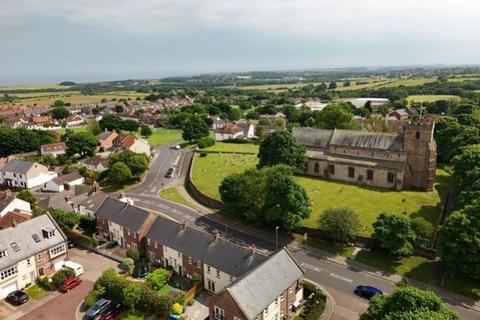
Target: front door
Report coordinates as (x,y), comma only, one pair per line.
(211,285)
(41,272)
(180,271)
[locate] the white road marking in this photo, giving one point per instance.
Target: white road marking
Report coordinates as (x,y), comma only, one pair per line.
(309,266)
(340,277)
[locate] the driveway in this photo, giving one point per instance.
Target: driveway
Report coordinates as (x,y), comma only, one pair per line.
(93,263)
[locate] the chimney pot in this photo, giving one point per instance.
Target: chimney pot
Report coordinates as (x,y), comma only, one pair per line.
(14,223)
(253,249)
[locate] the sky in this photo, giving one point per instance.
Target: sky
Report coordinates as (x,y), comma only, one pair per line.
(47,41)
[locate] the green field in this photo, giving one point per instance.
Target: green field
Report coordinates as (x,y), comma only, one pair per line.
(172,194)
(162,136)
(233,147)
(208,173)
(430,98)
(34,87)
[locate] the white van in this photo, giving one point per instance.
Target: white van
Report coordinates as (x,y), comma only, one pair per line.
(76,267)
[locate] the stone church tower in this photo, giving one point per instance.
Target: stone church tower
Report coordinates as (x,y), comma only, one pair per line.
(421,155)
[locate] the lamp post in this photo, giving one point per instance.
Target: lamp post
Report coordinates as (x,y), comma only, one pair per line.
(276,237)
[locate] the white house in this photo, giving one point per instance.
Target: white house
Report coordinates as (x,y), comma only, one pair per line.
(9,203)
(25,174)
(54,149)
(229,131)
(248,129)
(132,143)
(360,102)
(64,182)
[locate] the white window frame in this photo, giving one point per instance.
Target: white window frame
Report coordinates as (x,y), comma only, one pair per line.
(3,253)
(218,313)
(58,250)
(8,273)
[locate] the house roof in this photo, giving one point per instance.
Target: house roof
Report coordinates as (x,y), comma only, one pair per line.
(52,147)
(229,129)
(126,141)
(16,216)
(40,119)
(124,214)
(23,234)
(19,166)
(95,161)
(105,135)
(94,201)
(5,200)
(216,252)
(321,138)
(66,200)
(257,289)
(67,178)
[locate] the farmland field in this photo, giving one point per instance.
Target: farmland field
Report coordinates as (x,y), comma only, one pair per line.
(430,98)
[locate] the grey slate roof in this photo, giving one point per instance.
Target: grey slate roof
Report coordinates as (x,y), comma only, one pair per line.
(22,235)
(321,138)
(218,253)
(122,213)
(104,135)
(94,200)
(260,287)
(67,178)
(18,166)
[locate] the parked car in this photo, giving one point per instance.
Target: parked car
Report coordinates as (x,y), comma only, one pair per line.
(367,291)
(176,147)
(98,308)
(169,173)
(17,297)
(70,283)
(113,311)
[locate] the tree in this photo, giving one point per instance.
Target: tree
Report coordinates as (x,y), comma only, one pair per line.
(158,278)
(445,129)
(27,195)
(334,116)
(58,103)
(120,173)
(394,234)
(129,125)
(408,303)
(112,283)
(194,129)
(341,224)
(422,228)
(460,240)
(131,295)
(94,128)
(136,162)
(281,147)
(119,108)
(466,165)
(128,264)
(133,254)
(111,122)
(234,114)
(332,85)
(146,131)
(60,113)
(286,202)
(65,220)
(82,143)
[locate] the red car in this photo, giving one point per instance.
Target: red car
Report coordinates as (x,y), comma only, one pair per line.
(111,313)
(70,283)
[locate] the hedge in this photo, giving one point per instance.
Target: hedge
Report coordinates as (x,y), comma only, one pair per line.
(81,239)
(314,306)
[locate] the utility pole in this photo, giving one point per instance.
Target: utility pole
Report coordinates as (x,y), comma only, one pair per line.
(276,237)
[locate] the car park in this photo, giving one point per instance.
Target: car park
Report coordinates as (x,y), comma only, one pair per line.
(367,291)
(17,297)
(98,309)
(112,312)
(70,283)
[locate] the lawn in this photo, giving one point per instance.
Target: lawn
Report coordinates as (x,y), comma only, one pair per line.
(35,292)
(337,250)
(74,129)
(234,147)
(414,267)
(172,194)
(162,136)
(430,98)
(165,290)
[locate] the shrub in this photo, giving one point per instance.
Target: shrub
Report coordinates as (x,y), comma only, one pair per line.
(88,224)
(44,283)
(206,142)
(92,297)
(128,264)
(203,154)
(158,278)
(236,140)
(315,306)
(133,254)
(59,277)
(177,308)
(181,299)
(81,239)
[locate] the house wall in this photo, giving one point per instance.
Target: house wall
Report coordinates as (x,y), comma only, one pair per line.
(26,275)
(13,179)
(115,232)
(132,239)
(173,258)
(154,251)
(53,186)
(226,136)
(225,301)
(192,267)
(221,279)
(40,179)
(16,204)
(140,146)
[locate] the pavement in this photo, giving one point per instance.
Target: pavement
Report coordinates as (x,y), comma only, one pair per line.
(337,275)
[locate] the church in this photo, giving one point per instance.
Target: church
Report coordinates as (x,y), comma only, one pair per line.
(396,161)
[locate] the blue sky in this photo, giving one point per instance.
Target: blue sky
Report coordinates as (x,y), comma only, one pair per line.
(45,41)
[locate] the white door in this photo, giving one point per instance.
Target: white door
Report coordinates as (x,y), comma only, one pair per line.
(7,289)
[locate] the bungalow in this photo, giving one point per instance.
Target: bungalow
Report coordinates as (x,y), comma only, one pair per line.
(15,122)
(74,120)
(229,131)
(248,129)
(132,143)
(120,221)
(25,174)
(95,163)
(401,114)
(361,102)
(54,149)
(217,123)
(64,182)
(38,122)
(106,139)
(278,279)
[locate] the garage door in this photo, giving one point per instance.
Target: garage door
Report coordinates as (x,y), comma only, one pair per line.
(7,289)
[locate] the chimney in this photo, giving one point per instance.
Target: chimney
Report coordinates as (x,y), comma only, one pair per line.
(253,249)
(184,224)
(14,223)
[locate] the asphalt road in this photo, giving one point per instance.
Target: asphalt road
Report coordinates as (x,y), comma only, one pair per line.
(339,280)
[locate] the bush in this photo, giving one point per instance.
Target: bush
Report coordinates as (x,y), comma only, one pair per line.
(128,264)
(158,278)
(236,140)
(44,283)
(133,254)
(59,277)
(81,239)
(177,308)
(88,224)
(91,298)
(315,306)
(203,154)
(206,142)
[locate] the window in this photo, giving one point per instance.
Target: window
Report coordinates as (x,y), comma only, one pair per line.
(15,246)
(7,273)
(36,237)
(369,174)
(219,313)
(282,297)
(58,250)
(155,244)
(417,135)
(316,168)
(351,172)
(190,260)
(218,273)
(39,257)
(208,269)
(29,263)
(211,285)
(3,253)
(265,312)
(391,177)
(199,264)
(148,241)
(236,318)
(331,169)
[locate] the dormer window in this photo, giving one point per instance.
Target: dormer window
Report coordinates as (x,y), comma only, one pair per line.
(48,232)
(3,253)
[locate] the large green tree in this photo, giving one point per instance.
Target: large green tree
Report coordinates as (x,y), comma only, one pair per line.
(460,240)
(194,129)
(82,143)
(119,172)
(408,303)
(445,129)
(281,147)
(60,113)
(146,131)
(131,295)
(111,122)
(393,234)
(340,224)
(467,165)
(335,117)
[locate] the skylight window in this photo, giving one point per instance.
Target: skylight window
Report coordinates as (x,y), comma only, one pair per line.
(15,247)
(36,237)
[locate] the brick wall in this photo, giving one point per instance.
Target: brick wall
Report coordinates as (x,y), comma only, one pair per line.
(154,251)
(132,240)
(192,266)
(102,226)
(225,301)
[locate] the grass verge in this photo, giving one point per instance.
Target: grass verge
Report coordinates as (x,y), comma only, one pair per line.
(35,292)
(337,250)
(174,195)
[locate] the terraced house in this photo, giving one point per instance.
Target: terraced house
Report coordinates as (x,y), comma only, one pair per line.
(30,249)
(386,160)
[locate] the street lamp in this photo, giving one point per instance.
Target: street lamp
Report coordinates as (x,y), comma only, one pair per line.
(276,237)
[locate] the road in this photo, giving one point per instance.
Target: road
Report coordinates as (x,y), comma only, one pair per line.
(339,280)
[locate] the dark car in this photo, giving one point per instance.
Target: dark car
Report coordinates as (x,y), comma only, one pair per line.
(113,311)
(98,309)
(367,291)
(70,283)
(17,297)
(169,173)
